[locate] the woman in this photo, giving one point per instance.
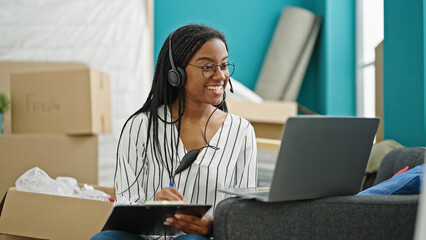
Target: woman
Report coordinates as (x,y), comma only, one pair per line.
(185,111)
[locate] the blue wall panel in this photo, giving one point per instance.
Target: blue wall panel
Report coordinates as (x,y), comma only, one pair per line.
(340,55)
(404,72)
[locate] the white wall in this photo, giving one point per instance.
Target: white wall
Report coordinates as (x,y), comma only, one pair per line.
(112,36)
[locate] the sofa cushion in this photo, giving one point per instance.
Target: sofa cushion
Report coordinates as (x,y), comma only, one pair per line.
(397,159)
(346,217)
(404,183)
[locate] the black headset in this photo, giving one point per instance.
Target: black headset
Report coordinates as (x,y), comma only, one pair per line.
(176,76)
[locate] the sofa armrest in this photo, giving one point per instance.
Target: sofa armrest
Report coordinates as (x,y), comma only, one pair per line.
(346,217)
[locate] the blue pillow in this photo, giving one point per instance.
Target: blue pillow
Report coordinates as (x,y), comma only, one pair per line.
(409,182)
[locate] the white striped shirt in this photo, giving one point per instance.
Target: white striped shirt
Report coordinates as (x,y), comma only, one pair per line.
(232,165)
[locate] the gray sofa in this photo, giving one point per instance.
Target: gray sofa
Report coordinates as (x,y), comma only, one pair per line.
(343,217)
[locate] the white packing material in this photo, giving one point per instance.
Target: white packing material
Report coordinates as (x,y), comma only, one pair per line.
(38,181)
(242,93)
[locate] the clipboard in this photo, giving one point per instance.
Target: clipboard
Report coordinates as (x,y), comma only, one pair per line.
(149,219)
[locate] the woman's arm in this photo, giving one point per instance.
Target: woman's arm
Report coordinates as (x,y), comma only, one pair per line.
(246,169)
(131,163)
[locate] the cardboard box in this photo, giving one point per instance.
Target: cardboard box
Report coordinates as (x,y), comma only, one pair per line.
(45,216)
(268,118)
(267,144)
(7,68)
(378,64)
(68,102)
(57,155)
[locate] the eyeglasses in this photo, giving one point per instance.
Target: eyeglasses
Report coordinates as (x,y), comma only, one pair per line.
(209,69)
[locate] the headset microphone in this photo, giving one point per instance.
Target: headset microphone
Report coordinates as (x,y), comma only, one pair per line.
(190,157)
(230,85)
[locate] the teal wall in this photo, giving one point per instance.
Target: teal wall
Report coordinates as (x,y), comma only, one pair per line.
(329,85)
(404,72)
(340,55)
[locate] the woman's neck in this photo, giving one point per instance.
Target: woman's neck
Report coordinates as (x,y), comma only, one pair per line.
(193,111)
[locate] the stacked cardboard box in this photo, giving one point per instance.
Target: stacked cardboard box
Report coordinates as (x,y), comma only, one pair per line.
(58,155)
(378,65)
(57,111)
(63,102)
(267,118)
(7,68)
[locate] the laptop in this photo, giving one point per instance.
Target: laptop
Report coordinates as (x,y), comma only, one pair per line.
(319,156)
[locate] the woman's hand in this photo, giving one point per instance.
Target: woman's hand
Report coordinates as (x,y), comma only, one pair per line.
(169,194)
(191,224)
(187,223)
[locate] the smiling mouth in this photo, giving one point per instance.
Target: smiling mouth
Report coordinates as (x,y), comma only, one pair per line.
(215,88)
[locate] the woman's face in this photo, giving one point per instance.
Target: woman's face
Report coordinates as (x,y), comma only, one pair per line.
(201,88)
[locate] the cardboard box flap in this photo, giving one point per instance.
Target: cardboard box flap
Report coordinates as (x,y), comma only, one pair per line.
(13,237)
(2,203)
(267,112)
(52,217)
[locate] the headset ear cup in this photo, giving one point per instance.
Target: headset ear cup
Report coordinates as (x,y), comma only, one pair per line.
(174,78)
(182,77)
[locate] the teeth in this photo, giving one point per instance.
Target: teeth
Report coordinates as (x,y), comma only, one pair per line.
(215,88)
